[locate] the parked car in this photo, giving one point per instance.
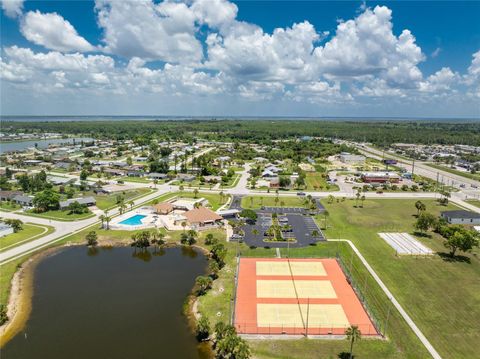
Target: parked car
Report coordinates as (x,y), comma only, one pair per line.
(300,193)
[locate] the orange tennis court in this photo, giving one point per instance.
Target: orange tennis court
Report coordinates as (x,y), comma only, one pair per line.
(296,297)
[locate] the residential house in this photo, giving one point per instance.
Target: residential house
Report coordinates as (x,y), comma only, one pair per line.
(157,176)
(25,201)
(87,201)
(9,195)
(185,177)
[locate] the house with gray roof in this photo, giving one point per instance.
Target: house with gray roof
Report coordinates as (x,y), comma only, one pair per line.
(461,217)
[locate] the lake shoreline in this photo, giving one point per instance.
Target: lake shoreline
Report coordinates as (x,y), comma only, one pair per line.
(21,288)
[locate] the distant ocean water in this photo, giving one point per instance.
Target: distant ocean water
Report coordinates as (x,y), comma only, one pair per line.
(180,118)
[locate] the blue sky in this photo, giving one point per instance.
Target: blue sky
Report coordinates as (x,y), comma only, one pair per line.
(220,58)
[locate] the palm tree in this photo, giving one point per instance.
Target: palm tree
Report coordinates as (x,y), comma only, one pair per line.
(107,219)
(195,193)
(222,195)
(184,224)
(155,181)
(102,218)
(357,198)
(181,188)
(131,203)
(255,232)
(276,200)
(362,199)
(122,206)
(420,206)
(353,334)
(325,215)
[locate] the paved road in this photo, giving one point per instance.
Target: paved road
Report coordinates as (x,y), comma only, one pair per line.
(242,184)
(61,228)
(422,169)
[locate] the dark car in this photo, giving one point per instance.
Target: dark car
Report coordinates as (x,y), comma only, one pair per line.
(300,193)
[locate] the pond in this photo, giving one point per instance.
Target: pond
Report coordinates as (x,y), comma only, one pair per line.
(111,303)
(23,145)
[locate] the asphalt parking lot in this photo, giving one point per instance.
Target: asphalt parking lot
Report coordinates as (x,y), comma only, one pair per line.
(282,210)
(302,229)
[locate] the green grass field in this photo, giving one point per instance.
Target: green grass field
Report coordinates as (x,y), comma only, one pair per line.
(255,202)
(59,215)
(213,199)
(469,175)
(135,179)
(441,296)
(29,232)
(9,206)
(315,182)
(108,201)
(475,202)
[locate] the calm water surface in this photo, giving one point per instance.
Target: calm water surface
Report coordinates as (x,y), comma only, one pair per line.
(110,304)
(23,145)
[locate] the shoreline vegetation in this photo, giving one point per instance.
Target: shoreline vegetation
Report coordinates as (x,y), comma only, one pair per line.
(19,304)
(376,131)
(345,221)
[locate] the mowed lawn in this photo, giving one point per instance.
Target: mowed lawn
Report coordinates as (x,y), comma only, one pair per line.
(28,233)
(9,206)
(315,182)
(474,202)
(255,202)
(59,215)
(108,201)
(214,199)
(442,297)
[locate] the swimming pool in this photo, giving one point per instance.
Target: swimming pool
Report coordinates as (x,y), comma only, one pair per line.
(135,220)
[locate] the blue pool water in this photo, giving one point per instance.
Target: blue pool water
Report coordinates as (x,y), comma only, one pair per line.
(135,220)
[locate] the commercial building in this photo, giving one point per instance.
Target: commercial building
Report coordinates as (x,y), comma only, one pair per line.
(461,217)
(380,177)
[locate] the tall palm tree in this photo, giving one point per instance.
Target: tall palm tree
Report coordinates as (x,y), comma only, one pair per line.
(131,203)
(325,215)
(195,193)
(353,334)
(102,218)
(155,181)
(122,206)
(420,206)
(108,219)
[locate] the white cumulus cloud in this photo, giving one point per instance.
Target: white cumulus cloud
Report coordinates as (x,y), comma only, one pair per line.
(144,29)
(53,32)
(12,8)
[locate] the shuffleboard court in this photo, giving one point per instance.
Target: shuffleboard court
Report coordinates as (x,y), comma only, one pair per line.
(283,269)
(300,289)
(288,315)
(405,244)
(296,297)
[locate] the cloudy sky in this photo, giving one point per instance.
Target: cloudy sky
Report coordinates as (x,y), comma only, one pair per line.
(242,58)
